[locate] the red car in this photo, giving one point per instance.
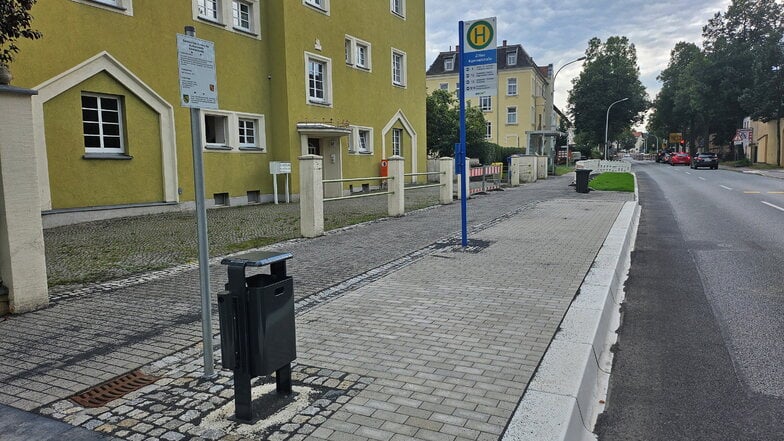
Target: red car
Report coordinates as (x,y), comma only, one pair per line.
(680,158)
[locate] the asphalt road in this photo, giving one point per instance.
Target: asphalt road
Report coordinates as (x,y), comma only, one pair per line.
(700,353)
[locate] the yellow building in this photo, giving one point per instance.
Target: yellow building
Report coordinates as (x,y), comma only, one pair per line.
(519,105)
(336,78)
(766,147)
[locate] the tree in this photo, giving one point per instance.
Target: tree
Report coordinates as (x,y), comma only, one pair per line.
(742,45)
(610,73)
(442,123)
(443,126)
(15,21)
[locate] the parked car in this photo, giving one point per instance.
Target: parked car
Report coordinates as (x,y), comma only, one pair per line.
(680,158)
(705,160)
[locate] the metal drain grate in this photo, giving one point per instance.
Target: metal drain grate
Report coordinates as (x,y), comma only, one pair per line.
(113,389)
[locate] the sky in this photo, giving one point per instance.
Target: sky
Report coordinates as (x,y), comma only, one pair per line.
(557,31)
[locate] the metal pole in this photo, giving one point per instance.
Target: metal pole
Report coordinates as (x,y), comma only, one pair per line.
(606,126)
(462,156)
(201,226)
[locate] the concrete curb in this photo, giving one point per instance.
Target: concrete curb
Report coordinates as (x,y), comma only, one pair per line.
(568,390)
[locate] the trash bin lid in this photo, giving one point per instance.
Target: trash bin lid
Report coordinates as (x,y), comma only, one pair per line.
(257,258)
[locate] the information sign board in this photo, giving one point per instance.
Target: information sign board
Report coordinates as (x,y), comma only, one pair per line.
(196,62)
(479,62)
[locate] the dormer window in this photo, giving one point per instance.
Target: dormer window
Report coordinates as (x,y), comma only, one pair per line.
(511,58)
(449,64)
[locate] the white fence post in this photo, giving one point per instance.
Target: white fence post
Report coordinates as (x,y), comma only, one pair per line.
(396,200)
(22,258)
(447,168)
(311,196)
(514,171)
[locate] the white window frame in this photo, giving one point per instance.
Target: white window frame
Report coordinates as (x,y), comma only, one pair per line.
(224,117)
(231,121)
(355,144)
(397,142)
(242,125)
(102,125)
(511,58)
(353,46)
(327,100)
(511,86)
(398,8)
(449,64)
(217,16)
(511,115)
(225,19)
(318,5)
(124,7)
(400,82)
(488,130)
(485,103)
(236,15)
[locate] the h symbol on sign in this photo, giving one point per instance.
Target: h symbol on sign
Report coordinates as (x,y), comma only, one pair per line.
(479,32)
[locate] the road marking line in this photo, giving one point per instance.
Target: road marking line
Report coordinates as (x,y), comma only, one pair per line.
(725,187)
(688,173)
(776,192)
(751,192)
(774,206)
(701,178)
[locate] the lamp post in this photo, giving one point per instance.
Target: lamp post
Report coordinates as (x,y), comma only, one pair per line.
(607,124)
(551,101)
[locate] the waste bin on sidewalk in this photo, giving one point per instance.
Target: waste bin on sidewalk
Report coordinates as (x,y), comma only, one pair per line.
(257,331)
(583,176)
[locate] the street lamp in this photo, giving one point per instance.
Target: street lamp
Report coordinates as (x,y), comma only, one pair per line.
(551,102)
(606,126)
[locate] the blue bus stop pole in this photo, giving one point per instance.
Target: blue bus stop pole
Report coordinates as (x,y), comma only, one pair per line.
(460,156)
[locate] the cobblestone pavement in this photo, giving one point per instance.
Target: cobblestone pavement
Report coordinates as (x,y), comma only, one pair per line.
(400,333)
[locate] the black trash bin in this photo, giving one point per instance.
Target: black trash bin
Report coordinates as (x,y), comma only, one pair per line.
(257,330)
(583,175)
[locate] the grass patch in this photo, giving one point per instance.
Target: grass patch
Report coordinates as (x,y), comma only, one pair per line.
(563,169)
(613,182)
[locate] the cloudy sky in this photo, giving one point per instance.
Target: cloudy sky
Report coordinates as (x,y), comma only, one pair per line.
(557,31)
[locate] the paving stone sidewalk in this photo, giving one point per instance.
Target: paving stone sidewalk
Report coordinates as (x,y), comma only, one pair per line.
(400,334)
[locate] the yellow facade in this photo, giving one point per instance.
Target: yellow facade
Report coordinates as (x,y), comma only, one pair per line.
(766,141)
(518,106)
(126,51)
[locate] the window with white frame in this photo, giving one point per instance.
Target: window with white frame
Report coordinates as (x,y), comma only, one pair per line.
(322,5)
(120,6)
(239,16)
(318,75)
(488,130)
(397,142)
(102,123)
(511,86)
(216,129)
(247,132)
(443,86)
(511,115)
(349,48)
(511,58)
(398,7)
(242,14)
(358,53)
(363,55)
(485,103)
(398,68)
(449,64)
(533,115)
(361,140)
(210,9)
